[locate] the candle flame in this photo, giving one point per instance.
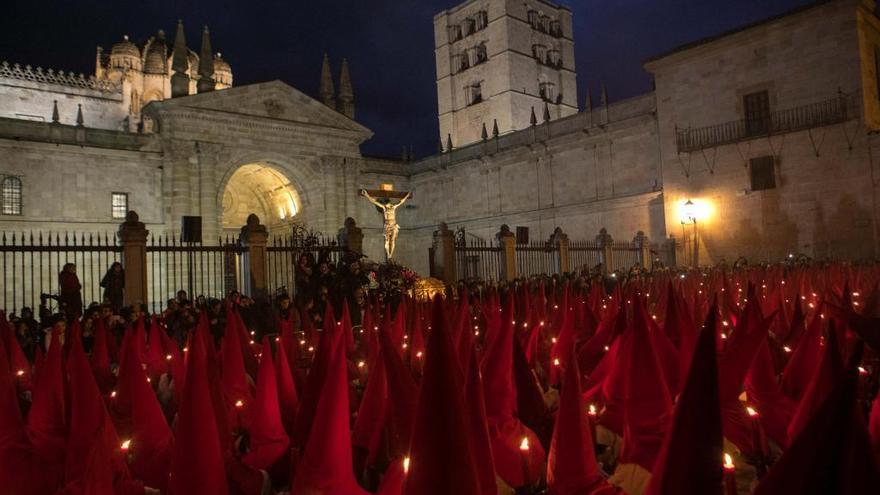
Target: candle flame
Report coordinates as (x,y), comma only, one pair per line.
(253,333)
(553,340)
(786,348)
(19,372)
(593,411)
(752,412)
(125,445)
(168,357)
(239,403)
(277,339)
(606,348)
(252,342)
(186,349)
(113,394)
(311,349)
(728,461)
(419,354)
(524,445)
(556,362)
(302,342)
(406,464)
(862,371)
(361,364)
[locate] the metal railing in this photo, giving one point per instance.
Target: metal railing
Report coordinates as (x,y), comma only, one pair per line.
(283,252)
(584,254)
(832,111)
(201,270)
(625,255)
(537,258)
(478,259)
(31,263)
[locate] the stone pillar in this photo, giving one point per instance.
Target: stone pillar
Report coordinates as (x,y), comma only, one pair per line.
(444,255)
(507,243)
(559,239)
(606,250)
(640,242)
(351,237)
(254,237)
(132,235)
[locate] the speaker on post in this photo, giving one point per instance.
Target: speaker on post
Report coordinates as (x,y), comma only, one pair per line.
(191,229)
(522,235)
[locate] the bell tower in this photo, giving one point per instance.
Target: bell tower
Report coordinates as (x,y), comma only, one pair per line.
(496,61)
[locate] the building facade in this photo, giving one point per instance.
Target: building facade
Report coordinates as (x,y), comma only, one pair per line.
(768,131)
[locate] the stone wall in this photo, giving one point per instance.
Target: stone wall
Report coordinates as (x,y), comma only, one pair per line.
(824,202)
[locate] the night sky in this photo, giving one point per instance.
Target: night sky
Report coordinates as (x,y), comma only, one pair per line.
(389,45)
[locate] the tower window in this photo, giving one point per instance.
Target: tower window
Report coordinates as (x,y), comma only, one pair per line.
(480,54)
(469,27)
(464,61)
(539,52)
(547,91)
(119,204)
(534,19)
(474,93)
(482,20)
(454,33)
(556,29)
(762,173)
(553,58)
(11,196)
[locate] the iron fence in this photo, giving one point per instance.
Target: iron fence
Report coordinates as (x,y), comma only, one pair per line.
(202,270)
(832,111)
(584,254)
(478,259)
(537,258)
(624,256)
(283,252)
(31,264)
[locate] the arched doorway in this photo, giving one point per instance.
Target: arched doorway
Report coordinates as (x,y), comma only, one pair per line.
(262,189)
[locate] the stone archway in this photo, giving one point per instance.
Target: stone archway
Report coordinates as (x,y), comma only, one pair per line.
(262,189)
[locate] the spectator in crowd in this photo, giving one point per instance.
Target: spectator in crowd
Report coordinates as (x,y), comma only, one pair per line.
(70,297)
(114,284)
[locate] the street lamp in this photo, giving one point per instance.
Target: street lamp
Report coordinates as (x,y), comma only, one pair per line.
(689,217)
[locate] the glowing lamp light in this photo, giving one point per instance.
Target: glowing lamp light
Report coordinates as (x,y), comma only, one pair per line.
(252,342)
(751,411)
(20,372)
(186,349)
(361,364)
(607,348)
(125,445)
(556,362)
(786,348)
(406,464)
(688,212)
(311,349)
(277,339)
(553,340)
(419,354)
(404,345)
(862,371)
(113,394)
(253,333)
(728,462)
(239,403)
(524,444)
(302,342)
(592,411)
(148,380)
(168,357)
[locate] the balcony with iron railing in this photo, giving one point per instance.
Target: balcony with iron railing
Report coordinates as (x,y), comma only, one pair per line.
(833,111)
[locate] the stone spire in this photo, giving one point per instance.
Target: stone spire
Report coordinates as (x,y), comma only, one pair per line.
(449,142)
(546,112)
(440,145)
(533,119)
(495,128)
(180,64)
(326,90)
(55,117)
(346,93)
(206,64)
(79,115)
(484,134)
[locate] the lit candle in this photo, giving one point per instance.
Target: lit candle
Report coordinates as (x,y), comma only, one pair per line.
(406,465)
(729,475)
(592,416)
(125,445)
(239,403)
(524,458)
(168,357)
(20,372)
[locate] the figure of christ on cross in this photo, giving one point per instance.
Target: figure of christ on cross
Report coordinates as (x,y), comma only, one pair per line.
(384,200)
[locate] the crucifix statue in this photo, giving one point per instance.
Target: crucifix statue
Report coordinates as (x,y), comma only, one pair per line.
(384,200)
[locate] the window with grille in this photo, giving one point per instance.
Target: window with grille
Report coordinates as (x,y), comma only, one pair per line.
(547,90)
(762,173)
(11,196)
(756,107)
(480,54)
(119,205)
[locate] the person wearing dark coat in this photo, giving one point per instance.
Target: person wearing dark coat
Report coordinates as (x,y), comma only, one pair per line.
(114,285)
(70,297)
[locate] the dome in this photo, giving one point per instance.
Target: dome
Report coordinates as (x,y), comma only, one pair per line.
(154,62)
(125,48)
(221,65)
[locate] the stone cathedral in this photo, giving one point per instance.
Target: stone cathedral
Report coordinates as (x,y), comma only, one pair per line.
(768,130)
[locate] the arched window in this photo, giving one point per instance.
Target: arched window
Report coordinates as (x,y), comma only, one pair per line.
(480,54)
(547,91)
(474,93)
(11,196)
